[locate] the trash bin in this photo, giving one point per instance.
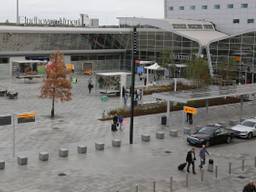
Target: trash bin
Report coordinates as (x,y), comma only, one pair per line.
(163,120)
(210,165)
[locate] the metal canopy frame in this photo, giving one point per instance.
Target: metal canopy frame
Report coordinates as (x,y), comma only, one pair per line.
(205,94)
(211,92)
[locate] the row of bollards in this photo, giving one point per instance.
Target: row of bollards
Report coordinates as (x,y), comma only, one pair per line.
(154,186)
(202,174)
(82,149)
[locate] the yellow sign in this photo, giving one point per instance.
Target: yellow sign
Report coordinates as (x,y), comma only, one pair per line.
(192,110)
(26,115)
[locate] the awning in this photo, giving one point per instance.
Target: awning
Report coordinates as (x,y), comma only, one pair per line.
(155,66)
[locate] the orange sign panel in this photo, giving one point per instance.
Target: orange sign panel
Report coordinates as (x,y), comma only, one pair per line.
(192,110)
(26,115)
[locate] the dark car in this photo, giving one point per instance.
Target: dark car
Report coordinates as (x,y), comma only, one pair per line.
(210,135)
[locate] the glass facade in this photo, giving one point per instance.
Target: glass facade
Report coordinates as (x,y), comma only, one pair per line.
(106,50)
(52,41)
(239,52)
(152,43)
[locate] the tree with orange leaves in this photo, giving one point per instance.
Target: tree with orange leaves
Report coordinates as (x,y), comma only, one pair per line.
(56,86)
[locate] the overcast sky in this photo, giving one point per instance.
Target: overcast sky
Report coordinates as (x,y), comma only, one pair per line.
(105,10)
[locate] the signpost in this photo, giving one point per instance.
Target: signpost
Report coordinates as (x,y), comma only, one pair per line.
(26,117)
(19,118)
(191,110)
(5,120)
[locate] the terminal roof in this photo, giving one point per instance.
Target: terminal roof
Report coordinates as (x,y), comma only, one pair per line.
(200,31)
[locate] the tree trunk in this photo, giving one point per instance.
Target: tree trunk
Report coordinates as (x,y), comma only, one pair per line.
(52,110)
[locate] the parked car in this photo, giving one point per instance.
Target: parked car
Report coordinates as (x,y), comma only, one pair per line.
(12,94)
(210,135)
(246,129)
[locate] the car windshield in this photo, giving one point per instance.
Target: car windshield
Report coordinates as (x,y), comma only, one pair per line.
(206,130)
(248,123)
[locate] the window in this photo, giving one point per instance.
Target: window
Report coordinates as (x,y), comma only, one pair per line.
(195,26)
(230,6)
(208,27)
(236,21)
(244,5)
(4,60)
(171,8)
(179,26)
(217,6)
(204,6)
(181,8)
(192,7)
(250,20)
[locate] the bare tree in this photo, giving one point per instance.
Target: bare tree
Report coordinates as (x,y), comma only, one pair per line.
(56,86)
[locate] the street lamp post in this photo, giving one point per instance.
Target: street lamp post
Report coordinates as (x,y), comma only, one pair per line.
(133,59)
(17,13)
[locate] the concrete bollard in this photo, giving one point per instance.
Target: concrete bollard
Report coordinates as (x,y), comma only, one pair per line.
(187,131)
(186,179)
(137,188)
(154,186)
(43,156)
(171,184)
(229,168)
(63,152)
(202,175)
(160,135)
(145,138)
(2,164)
(99,146)
(216,171)
(255,162)
(116,143)
(173,132)
(243,164)
(81,149)
(22,160)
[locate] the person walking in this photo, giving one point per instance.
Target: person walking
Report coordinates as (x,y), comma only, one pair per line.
(249,187)
(115,123)
(125,98)
(120,122)
(202,154)
(190,159)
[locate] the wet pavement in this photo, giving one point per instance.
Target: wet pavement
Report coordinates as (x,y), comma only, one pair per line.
(114,169)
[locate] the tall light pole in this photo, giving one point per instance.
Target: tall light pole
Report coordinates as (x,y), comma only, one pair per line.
(17,13)
(134,57)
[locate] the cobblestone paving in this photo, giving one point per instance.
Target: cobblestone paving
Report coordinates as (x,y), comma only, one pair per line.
(114,169)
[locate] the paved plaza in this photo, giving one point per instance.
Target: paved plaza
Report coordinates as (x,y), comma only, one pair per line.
(114,169)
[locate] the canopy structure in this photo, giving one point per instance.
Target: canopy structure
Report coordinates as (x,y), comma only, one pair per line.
(154,67)
(206,94)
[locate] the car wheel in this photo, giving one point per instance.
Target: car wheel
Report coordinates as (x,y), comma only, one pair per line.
(228,140)
(250,135)
(207,143)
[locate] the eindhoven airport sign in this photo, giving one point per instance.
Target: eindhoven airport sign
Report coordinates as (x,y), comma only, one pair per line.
(51,22)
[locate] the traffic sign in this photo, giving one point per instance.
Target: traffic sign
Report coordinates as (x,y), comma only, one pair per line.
(5,120)
(26,117)
(191,110)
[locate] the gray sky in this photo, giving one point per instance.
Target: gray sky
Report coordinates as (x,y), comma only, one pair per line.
(105,10)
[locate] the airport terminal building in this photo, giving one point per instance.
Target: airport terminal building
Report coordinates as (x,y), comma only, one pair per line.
(190,27)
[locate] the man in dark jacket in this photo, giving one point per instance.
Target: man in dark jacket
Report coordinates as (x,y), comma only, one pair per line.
(190,159)
(250,187)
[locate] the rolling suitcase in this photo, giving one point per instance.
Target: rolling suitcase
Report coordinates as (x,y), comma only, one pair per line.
(182,166)
(113,128)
